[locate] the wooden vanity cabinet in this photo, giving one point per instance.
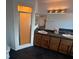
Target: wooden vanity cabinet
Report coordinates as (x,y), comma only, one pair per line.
(37,39)
(45,41)
(65,46)
(54,43)
(59,44)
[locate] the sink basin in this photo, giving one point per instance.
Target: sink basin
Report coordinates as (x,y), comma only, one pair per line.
(42,32)
(68,35)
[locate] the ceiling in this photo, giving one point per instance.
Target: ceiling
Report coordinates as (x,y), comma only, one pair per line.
(55,4)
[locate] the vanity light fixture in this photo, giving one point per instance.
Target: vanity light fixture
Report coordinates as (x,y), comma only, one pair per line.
(57,11)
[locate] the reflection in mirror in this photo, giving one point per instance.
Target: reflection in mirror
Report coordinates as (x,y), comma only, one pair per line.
(41,21)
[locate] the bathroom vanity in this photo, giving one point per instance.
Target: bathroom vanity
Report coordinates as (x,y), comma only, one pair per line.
(54,42)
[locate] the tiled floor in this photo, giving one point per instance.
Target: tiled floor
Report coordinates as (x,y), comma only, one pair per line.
(37,53)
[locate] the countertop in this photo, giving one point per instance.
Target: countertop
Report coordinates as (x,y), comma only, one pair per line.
(54,35)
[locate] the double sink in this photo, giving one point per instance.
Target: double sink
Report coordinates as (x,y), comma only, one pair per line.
(65,35)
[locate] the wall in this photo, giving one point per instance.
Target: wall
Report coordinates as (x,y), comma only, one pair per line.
(55,21)
(12,26)
(45,5)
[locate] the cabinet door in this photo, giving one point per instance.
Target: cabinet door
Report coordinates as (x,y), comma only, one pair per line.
(45,41)
(65,46)
(37,40)
(71,51)
(54,43)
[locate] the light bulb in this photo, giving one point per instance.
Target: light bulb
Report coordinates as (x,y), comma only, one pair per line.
(62,11)
(56,11)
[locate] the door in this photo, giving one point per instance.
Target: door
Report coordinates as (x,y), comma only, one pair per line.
(37,39)
(54,43)
(25,21)
(65,46)
(45,41)
(25,24)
